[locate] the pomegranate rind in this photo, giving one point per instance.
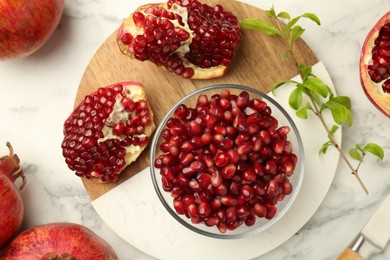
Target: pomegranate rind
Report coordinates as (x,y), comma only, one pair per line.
(11,203)
(128,26)
(103,131)
(374,93)
(59,238)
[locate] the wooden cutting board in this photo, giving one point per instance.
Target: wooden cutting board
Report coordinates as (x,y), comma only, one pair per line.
(259,63)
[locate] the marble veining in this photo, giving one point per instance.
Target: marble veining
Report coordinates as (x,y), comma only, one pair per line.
(37,94)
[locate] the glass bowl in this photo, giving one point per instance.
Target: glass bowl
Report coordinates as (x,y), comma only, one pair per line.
(283,202)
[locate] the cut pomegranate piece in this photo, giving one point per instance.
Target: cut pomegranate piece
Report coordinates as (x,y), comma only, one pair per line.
(107,131)
(375,65)
(232,175)
(188,38)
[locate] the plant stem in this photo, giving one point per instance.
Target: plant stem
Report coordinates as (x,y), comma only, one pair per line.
(318,113)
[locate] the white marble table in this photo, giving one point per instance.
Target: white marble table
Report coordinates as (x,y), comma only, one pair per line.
(37,94)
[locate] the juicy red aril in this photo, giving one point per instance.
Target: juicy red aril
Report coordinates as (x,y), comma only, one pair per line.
(230,169)
(379,70)
(176,33)
(102,128)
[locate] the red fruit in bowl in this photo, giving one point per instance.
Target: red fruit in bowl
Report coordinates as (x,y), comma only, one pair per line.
(25,26)
(58,241)
(375,65)
(11,204)
(107,131)
(188,38)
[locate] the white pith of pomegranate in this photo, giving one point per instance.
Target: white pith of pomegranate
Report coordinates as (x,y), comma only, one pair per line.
(188,38)
(107,131)
(375,64)
(58,241)
(226,162)
(11,203)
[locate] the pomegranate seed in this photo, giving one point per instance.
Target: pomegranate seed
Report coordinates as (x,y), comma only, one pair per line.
(258,104)
(221,190)
(204,179)
(233,156)
(244,148)
(216,178)
(222,227)
(271,212)
(247,191)
(228,171)
(204,209)
(278,146)
(181,111)
(272,188)
(243,99)
(186,158)
(287,188)
(232,225)
(139,19)
(265,137)
(260,210)
(231,214)
(182,180)
(193,211)
(270,167)
(215,203)
(221,159)
(228,200)
(234,188)
(243,211)
(250,220)
(179,207)
(249,176)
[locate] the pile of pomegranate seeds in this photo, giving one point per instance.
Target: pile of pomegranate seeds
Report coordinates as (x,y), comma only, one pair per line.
(379,70)
(107,131)
(188,38)
(226,161)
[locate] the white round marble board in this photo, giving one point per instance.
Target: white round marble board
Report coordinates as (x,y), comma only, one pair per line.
(134,212)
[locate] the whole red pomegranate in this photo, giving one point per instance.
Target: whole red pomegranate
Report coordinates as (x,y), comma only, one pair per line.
(11,204)
(189,38)
(26,25)
(58,241)
(375,64)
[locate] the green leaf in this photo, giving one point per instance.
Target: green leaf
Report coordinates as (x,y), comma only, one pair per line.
(349,118)
(260,25)
(296,32)
(355,154)
(305,71)
(359,147)
(343,100)
(271,13)
(375,150)
(284,15)
(325,146)
(312,17)
(315,97)
(317,85)
(339,112)
(295,98)
(302,113)
(291,23)
(334,129)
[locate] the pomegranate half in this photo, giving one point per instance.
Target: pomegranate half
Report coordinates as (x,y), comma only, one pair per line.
(58,241)
(107,131)
(375,65)
(188,38)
